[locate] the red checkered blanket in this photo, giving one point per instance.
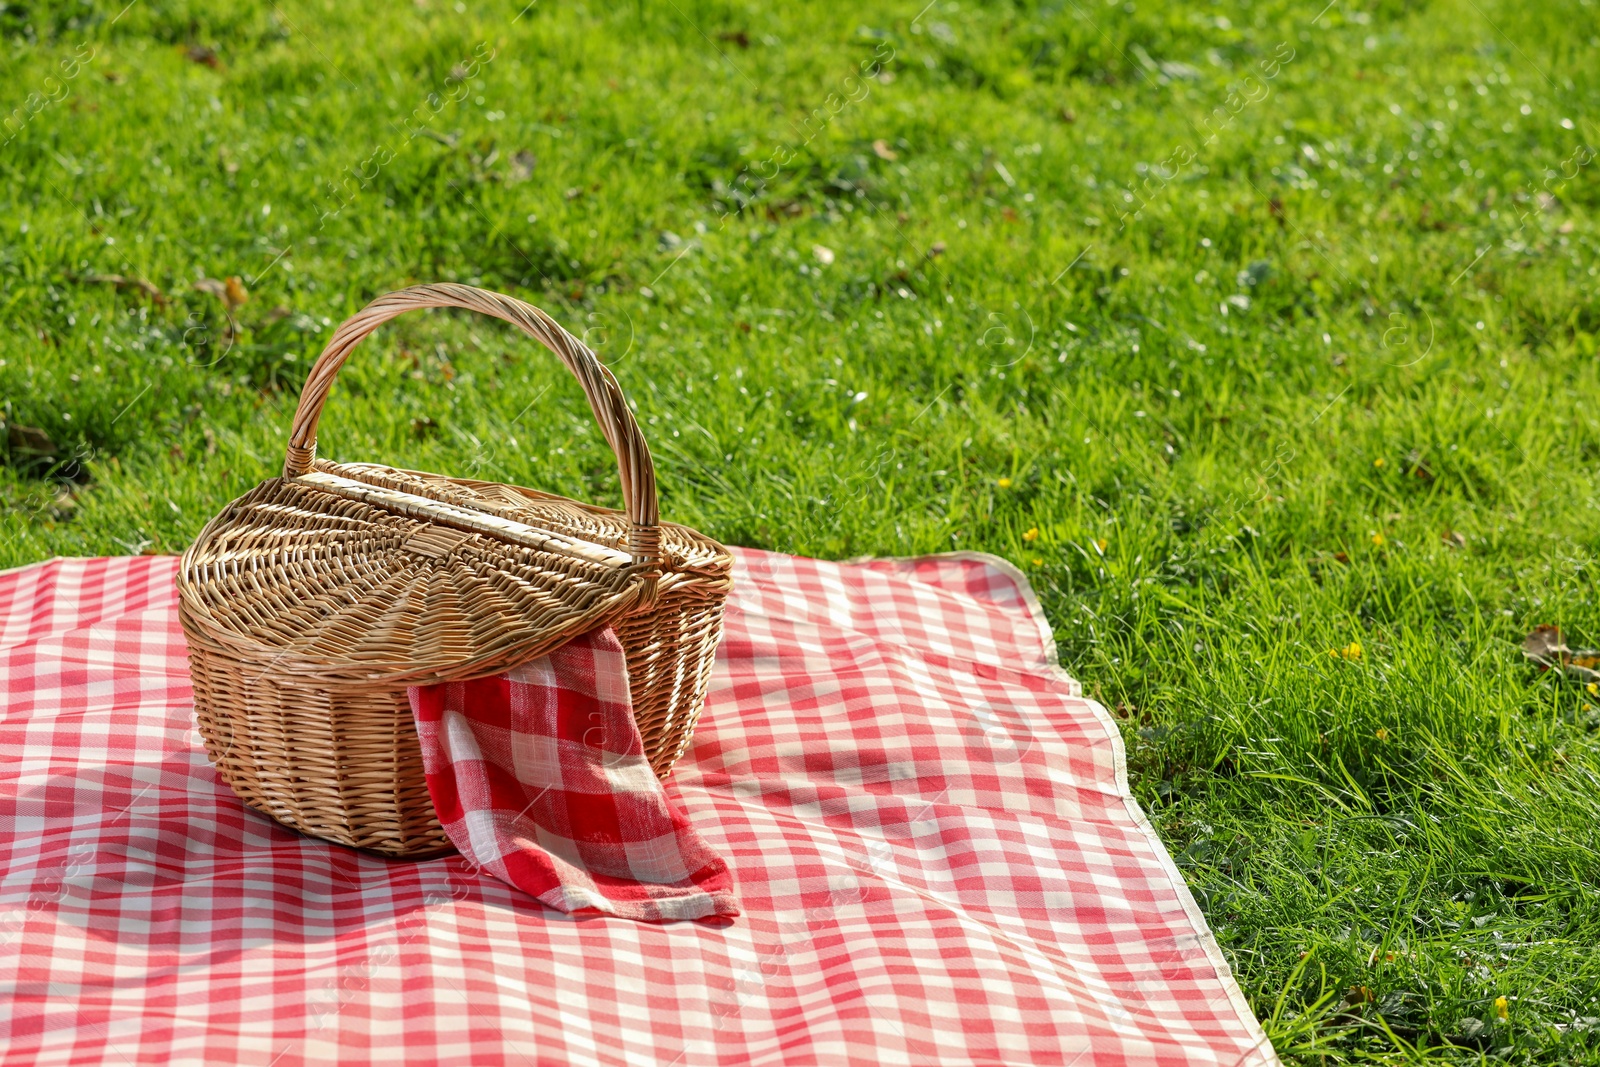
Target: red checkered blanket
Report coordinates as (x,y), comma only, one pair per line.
(930,830)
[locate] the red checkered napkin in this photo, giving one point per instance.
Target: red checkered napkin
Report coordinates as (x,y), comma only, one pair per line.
(539,777)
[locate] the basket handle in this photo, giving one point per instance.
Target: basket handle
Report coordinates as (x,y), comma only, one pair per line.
(610,407)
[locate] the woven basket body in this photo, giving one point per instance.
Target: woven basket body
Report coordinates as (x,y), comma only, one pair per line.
(314,601)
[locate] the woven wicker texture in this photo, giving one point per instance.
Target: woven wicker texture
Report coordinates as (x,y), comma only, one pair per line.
(312,602)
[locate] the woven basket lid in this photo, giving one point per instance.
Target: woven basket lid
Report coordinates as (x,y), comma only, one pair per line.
(368,572)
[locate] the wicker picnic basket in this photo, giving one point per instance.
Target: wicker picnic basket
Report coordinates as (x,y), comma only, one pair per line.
(312,602)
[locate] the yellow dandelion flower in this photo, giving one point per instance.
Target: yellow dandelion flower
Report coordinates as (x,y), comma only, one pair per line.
(1004,483)
(1379,462)
(1377,539)
(1383,733)
(1037,562)
(1352,650)
(1502,1009)
(1101,545)
(1031,535)
(1593,688)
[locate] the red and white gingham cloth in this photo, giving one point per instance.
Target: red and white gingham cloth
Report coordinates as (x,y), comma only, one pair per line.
(931,832)
(539,777)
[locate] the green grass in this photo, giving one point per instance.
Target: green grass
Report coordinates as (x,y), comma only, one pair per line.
(1333,385)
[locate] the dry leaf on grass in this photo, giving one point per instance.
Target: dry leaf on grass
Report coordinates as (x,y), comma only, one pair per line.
(232,292)
(30,441)
(123,282)
(1545,647)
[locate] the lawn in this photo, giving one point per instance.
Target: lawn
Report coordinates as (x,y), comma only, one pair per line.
(1262,339)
